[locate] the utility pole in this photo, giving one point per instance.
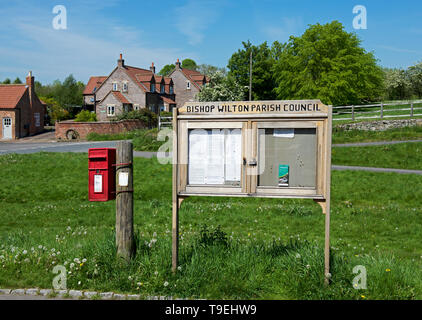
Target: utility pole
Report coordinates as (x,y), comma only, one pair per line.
(250,76)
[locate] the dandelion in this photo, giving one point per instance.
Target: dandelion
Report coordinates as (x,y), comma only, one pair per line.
(130,278)
(387,270)
(362,296)
(140,284)
(166,284)
(179,268)
(24,252)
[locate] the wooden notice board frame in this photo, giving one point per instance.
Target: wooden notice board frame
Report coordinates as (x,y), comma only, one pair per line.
(250,117)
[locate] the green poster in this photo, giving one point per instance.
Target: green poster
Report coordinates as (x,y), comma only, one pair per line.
(283,175)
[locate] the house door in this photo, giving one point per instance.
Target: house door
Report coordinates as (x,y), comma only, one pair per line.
(7,128)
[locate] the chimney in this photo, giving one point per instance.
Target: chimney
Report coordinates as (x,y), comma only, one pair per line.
(178,64)
(30,80)
(121,62)
(30,85)
(152,68)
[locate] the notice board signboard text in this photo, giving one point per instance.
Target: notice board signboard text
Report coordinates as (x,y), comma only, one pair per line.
(272,149)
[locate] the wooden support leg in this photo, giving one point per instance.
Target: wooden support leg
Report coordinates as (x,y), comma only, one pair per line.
(327,245)
(175,235)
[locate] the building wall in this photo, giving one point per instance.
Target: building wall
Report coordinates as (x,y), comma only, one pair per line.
(182,94)
(102,108)
(37,107)
(15,127)
(134,94)
(105,127)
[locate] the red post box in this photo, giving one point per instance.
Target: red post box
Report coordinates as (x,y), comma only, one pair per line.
(102,174)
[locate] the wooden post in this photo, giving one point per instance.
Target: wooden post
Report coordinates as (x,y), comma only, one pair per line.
(382,110)
(411,109)
(175,200)
(353,113)
(328,199)
(125,241)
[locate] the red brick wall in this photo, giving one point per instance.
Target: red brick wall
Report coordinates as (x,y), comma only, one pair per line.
(101,127)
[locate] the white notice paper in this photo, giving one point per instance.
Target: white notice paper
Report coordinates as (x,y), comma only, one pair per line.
(98,183)
(284,133)
(215,158)
(198,146)
(233,155)
(123,179)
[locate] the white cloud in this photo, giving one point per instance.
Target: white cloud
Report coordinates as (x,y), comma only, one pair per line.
(283,30)
(193,18)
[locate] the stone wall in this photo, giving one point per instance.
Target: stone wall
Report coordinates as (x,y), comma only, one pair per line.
(379,125)
(69,130)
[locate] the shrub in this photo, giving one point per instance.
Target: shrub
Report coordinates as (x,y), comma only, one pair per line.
(86,116)
(148,117)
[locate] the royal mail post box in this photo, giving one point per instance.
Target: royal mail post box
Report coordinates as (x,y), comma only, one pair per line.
(102,174)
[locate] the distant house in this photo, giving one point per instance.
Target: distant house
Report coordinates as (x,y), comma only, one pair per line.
(187,83)
(21,111)
(128,88)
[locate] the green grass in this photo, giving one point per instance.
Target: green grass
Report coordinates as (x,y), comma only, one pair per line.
(400,156)
(143,139)
(351,136)
(263,249)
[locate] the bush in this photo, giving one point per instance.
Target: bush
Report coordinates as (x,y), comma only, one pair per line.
(148,117)
(86,116)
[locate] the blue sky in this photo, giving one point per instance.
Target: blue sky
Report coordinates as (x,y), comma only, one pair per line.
(206,31)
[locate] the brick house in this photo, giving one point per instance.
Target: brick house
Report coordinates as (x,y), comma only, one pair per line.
(187,83)
(128,88)
(21,111)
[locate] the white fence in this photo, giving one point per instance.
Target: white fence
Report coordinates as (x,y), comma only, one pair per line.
(379,111)
(164,122)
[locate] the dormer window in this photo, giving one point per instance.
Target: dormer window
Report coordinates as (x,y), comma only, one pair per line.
(171,89)
(162,89)
(188,85)
(124,87)
(152,87)
(115,86)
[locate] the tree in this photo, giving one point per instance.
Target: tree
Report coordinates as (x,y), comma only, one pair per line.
(262,62)
(17,81)
(397,84)
(415,77)
(221,88)
(189,64)
(6,81)
(166,70)
(327,63)
(208,69)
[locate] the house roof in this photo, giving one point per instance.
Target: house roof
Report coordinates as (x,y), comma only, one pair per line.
(168,100)
(196,77)
(119,96)
(93,82)
(11,94)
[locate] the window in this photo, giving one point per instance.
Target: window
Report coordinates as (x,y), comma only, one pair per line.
(162,89)
(115,86)
(92,99)
(187,84)
(37,119)
(124,87)
(136,107)
(171,89)
(110,111)
(152,87)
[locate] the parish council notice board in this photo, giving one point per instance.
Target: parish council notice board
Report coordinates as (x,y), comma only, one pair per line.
(214,156)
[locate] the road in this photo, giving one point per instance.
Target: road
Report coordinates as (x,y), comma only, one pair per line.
(52,146)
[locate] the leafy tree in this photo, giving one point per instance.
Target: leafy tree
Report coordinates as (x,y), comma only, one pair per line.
(397,84)
(262,62)
(165,71)
(17,81)
(6,81)
(54,110)
(189,64)
(221,88)
(328,63)
(415,77)
(208,69)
